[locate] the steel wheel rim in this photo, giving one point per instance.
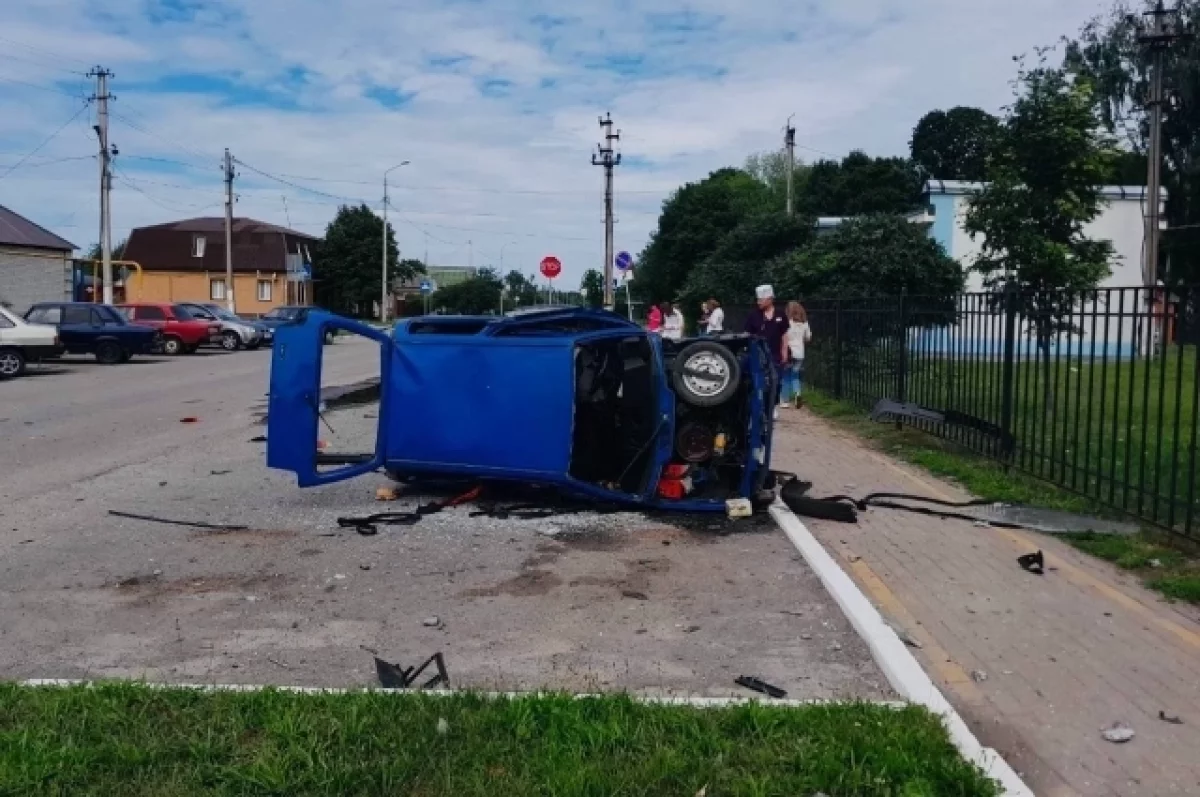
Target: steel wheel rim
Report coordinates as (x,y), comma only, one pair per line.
(715,370)
(10,364)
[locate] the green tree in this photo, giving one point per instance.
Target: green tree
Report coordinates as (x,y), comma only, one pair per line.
(770,168)
(742,259)
(1108,54)
(878,255)
(694,219)
(1044,186)
(477,295)
(954,144)
(521,290)
(592,286)
(347,266)
(860,185)
(118,250)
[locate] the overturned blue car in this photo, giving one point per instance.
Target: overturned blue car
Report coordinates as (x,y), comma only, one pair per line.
(576,399)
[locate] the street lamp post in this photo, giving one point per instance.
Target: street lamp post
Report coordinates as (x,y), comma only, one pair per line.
(385,289)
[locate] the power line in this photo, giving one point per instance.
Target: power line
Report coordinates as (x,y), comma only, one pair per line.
(46,53)
(161,138)
(180,206)
(49,89)
(299,187)
(47,140)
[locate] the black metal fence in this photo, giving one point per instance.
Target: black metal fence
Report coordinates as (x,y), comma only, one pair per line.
(1096,392)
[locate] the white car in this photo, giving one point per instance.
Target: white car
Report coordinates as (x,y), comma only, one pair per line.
(22,342)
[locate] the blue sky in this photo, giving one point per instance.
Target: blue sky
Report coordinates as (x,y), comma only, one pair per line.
(494,102)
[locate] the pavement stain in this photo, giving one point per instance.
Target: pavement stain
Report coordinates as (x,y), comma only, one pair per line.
(148,589)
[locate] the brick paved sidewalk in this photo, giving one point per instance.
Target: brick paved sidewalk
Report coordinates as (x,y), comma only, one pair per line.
(1036,666)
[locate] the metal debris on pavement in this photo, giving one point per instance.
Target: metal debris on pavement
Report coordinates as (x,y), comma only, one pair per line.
(432,622)
(759,685)
(1117,733)
(635,595)
(393,676)
(1033,563)
(1171,718)
(189,523)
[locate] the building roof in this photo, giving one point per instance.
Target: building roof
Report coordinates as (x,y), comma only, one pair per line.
(961,188)
(16,230)
(216,224)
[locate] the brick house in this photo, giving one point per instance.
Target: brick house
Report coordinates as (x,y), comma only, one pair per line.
(184,261)
(35,264)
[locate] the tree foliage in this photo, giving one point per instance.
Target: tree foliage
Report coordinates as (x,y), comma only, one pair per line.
(954,144)
(118,250)
(477,295)
(592,288)
(742,259)
(347,265)
(522,292)
(693,221)
(877,255)
(1108,54)
(1044,186)
(770,169)
(860,185)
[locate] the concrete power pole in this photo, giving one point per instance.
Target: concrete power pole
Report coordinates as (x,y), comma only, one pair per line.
(229,300)
(101,97)
(606,157)
(789,143)
(1158,40)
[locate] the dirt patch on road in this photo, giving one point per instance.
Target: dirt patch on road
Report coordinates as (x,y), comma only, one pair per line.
(147,589)
(527,584)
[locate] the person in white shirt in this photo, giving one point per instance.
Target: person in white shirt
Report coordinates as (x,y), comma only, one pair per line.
(799,333)
(716,318)
(672,322)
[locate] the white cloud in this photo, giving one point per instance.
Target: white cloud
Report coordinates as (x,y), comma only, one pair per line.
(501,103)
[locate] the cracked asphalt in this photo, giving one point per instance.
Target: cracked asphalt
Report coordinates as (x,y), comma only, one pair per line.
(580,602)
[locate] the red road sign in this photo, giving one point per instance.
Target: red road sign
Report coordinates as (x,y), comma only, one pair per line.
(551,267)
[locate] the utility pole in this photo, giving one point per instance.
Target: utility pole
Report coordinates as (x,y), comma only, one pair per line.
(606,157)
(101,97)
(385,290)
(471,255)
(1158,40)
(789,143)
(229,301)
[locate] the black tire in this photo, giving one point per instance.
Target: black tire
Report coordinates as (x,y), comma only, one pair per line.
(253,346)
(706,374)
(12,363)
(126,355)
(230,340)
(172,346)
(109,352)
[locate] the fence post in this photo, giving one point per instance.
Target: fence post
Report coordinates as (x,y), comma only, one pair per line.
(837,349)
(902,360)
(1006,394)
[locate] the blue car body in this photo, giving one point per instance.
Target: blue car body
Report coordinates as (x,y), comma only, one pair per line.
(498,399)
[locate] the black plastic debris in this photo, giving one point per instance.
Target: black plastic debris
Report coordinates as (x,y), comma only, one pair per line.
(888,410)
(1033,563)
(188,523)
(1169,718)
(759,685)
(393,676)
(368,526)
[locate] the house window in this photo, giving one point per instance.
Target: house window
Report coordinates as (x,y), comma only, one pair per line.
(216,290)
(264,290)
(198,244)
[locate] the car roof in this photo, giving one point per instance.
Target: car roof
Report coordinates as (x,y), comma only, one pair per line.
(590,320)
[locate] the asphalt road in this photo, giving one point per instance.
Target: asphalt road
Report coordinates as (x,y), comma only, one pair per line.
(580,601)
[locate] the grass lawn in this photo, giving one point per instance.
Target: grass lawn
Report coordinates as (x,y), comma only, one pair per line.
(1166,569)
(130,740)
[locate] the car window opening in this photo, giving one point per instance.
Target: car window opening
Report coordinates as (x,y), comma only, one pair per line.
(616,414)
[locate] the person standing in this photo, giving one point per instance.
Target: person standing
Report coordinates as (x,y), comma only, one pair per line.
(716,318)
(672,322)
(766,322)
(799,333)
(654,319)
(702,322)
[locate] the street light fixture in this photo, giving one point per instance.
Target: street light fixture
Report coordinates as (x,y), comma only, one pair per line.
(385,289)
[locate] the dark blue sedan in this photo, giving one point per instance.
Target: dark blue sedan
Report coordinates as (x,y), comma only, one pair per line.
(581,400)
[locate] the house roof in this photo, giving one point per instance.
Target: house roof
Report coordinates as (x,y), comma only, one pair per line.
(16,230)
(216,224)
(961,188)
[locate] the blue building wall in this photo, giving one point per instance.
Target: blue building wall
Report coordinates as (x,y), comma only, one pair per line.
(943,221)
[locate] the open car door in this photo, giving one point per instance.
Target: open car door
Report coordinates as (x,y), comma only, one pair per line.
(294,405)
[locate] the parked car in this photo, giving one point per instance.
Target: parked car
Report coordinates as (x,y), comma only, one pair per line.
(182,333)
(236,332)
(97,329)
(581,400)
(22,342)
(291,315)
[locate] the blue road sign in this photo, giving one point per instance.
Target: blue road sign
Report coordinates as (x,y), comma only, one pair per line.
(426,287)
(624,260)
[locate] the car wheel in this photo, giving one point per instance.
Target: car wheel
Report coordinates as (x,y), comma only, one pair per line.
(706,374)
(253,346)
(126,355)
(230,340)
(172,347)
(109,352)
(12,363)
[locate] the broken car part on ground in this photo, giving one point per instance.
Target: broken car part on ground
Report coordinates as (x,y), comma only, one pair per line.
(576,399)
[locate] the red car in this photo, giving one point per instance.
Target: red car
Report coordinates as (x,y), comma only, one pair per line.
(181,332)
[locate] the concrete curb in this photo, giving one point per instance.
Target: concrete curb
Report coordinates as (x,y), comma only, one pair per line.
(665,700)
(899,666)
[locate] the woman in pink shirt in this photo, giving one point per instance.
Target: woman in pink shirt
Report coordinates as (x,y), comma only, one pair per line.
(654,319)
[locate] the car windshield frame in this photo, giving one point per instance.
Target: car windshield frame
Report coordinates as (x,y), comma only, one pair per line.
(283,314)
